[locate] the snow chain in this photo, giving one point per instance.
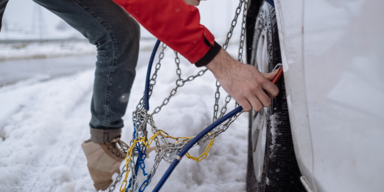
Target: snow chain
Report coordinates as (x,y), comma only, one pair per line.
(141,117)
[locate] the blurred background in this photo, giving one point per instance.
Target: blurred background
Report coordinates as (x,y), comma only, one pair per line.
(26,20)
(35,43)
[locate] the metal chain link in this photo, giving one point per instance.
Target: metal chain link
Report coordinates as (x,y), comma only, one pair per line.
(233,24)
(141,117)
(137,119)
(243,29)
(179,83)
(177,61)
(112,187)
(242,37)
(152,81)
(225,46)
(240,56)
(219,129)
(217,97)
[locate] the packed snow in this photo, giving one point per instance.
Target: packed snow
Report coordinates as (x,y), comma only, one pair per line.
(21,50)
(52,48)
(43,123)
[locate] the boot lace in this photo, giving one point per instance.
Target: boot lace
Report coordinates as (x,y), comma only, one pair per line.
(118,147)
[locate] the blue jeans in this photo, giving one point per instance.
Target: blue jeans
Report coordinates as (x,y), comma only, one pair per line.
(116,36)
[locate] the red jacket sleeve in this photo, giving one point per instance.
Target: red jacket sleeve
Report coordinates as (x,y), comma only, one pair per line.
(173,22)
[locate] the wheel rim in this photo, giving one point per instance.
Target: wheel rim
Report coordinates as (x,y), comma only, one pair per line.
(259,148)
(260,122)
(262,53)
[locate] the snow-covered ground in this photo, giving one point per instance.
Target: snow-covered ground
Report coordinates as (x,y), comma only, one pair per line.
(43,49)
(11,51)
(43,123)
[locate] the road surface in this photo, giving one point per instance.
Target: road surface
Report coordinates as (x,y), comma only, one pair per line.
(13,71)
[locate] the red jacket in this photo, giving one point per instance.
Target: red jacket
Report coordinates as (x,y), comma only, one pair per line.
(175,23)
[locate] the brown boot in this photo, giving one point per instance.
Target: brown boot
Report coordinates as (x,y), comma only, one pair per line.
(104,160)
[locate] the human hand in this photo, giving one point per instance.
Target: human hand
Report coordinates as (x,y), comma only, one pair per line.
(243,82)
(192,2)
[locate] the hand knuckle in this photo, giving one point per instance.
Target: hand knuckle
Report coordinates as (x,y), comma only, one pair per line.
(275,93)
(256,86)
(262,80)
(246,93)
(268,103)
(247,109)
(258,108)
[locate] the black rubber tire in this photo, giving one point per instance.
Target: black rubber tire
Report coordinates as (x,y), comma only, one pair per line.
(280,169)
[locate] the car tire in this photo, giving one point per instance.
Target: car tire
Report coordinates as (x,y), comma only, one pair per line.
(272,164)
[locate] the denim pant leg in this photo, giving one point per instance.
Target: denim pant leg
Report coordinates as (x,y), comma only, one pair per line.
(116,36)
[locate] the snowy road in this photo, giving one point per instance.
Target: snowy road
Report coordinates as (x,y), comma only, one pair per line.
(43,123)
(12,71)
(16,70)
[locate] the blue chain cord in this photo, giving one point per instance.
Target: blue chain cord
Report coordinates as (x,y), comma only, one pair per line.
(141,189)
(140,161)
(142,155)
(146,91)
(190,145)
(271,3)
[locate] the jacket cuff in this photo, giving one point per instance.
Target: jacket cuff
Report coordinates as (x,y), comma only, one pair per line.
(208,57)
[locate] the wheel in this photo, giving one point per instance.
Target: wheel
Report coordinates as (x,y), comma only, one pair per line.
(272,164)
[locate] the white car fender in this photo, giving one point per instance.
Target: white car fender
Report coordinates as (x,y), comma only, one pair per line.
(332,54)
(290,27)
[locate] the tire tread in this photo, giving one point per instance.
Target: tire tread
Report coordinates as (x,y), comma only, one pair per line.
(282,173)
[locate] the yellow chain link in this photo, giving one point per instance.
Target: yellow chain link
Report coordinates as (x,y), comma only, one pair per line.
(178,139)
(186,139)
(203,155)
(148,144)
(129,156)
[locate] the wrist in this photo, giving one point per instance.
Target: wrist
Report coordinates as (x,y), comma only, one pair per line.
(210,55)
(222,64)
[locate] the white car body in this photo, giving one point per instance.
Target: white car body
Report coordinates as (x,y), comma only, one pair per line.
(333,59)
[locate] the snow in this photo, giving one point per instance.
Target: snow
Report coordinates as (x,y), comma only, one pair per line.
(274,132)
(9,51)
(43,122)
(58,48)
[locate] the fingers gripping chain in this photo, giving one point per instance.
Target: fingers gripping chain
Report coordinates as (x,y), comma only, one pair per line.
(171,146)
